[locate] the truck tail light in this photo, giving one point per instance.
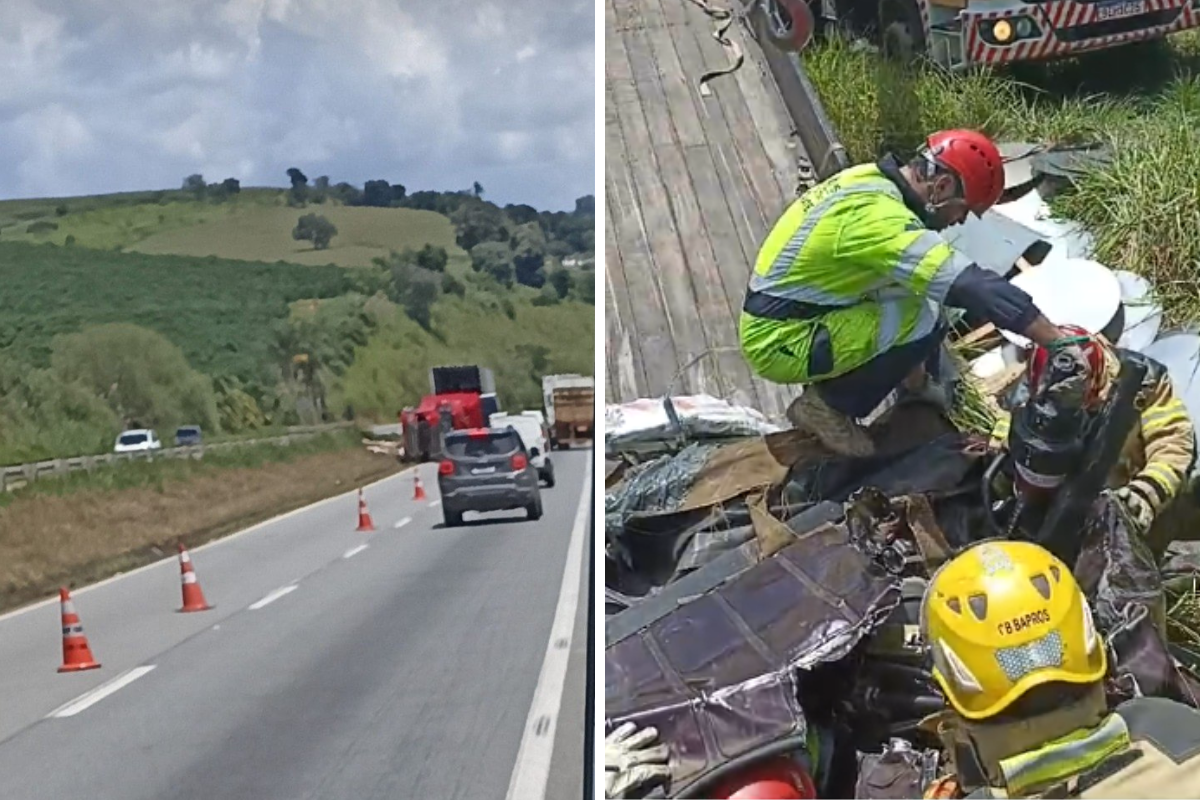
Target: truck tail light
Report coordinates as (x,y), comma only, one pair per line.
(446,467)
(519,462)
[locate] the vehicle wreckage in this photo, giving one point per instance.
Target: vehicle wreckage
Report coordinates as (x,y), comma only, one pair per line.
(762,595)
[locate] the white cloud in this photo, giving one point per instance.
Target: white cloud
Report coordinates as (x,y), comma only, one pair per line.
(432,95)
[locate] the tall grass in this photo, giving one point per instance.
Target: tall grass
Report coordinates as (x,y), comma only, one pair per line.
(1144,208)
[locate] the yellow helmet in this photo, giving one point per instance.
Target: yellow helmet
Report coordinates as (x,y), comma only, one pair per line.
(1003,617)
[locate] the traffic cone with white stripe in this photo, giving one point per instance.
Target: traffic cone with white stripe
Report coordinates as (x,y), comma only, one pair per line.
(418,489)
(365,523)
(193,597)
(77,655)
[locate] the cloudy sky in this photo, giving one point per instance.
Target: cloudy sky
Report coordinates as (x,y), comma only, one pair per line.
(110,95)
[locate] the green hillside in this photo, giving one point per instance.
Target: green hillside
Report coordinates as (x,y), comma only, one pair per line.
(202,306)
(265,234)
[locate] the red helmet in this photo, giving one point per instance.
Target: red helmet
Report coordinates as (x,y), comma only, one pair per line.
(777,779)
(1093,351)
(976,160)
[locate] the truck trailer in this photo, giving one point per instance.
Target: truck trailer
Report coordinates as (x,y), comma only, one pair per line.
(960,34)
(570,409)
(461,396)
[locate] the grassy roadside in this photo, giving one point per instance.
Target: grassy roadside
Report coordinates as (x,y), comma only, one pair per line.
(1144,209)
(84,528)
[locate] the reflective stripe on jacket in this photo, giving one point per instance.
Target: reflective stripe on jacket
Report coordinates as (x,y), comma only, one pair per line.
(852,238)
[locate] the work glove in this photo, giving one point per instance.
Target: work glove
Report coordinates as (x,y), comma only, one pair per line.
(1141,512)
(632,760)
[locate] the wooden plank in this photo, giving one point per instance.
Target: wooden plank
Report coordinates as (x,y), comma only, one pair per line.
(770,118)
(679,158)
(728,118)
(720,187)
(749,222)
(653,203)
(623,343)
(647,318)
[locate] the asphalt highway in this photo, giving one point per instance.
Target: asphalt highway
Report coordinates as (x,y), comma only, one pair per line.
(412,662)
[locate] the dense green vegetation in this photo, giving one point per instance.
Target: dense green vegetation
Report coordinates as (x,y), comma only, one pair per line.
(158,309)
(1144,100)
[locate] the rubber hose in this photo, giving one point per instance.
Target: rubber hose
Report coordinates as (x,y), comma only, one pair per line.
(702,786)
(985,491)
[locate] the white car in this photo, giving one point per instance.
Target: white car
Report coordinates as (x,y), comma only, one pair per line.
(533,436)
(138,440)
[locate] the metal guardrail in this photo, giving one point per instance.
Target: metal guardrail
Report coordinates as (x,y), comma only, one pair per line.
(815,131)
(16,476)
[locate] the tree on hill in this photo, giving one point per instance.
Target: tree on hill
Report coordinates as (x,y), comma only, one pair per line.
(562,282)
(585,206)
(316,229)
(349,194)
(415,289)
(529,254)
(139,374)
(320,189)
(479,221)
(495,259)
(432,258)
(231,186)
(521,213)
(194,184)
(298,195)
(585,287)
(477,189)
(377,194)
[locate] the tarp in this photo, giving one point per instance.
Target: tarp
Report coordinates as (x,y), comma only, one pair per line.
(1118,573)
(716,674)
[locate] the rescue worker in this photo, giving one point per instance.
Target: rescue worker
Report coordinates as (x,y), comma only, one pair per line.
(1157,457)
(1021,663)
(846,292)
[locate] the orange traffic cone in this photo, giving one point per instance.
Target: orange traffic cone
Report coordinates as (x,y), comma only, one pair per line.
(365,523)
(77,655)
(193,597)
(418,489)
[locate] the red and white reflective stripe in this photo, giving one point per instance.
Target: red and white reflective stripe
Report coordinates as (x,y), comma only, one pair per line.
(1064,14)
(187,577)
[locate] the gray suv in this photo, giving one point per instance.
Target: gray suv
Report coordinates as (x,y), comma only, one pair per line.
(487,469)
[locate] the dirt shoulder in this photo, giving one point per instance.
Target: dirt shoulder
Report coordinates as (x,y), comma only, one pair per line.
(85,535)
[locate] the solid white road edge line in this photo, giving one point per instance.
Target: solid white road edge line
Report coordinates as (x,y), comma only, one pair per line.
(174,559)
(532,769)
(353,551)
(273,596)
(86,701)
(402,522)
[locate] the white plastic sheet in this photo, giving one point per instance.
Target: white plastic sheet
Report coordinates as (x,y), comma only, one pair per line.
(700,416)
(1143,314)
(1068,239)
(1071,292)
